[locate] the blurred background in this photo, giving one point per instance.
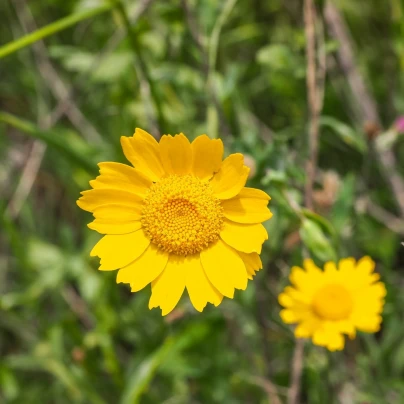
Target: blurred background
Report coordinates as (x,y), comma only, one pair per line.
(293,85)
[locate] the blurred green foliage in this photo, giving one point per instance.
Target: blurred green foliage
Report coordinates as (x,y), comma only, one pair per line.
(234,69)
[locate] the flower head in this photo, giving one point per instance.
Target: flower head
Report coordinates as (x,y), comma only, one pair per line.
(180,218)
(399,124)
(327,304)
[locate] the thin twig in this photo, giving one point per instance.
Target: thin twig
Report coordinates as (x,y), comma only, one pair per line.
(297,368)
(143,68)
(193,26)
(364,100)
(78,306)
(58,88)
(315,79)
(392,222)
(27,179)
(322,64)
(207,67)
(51,78)
(270,388)
(116,38)
(345,54)
(315,89)
(389,165)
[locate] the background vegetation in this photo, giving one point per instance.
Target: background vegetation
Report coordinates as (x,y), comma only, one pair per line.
(235,69)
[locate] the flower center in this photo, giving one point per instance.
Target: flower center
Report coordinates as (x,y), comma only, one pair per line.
(181,215)
(332,302)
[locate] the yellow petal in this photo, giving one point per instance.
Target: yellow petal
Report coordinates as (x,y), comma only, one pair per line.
(111,182)
(346,265)
(167,289)
(94,198)
(142,150)
(307,326)
(207,156)
(121,176)
(333,341)
(365,266)
(254,193)
(367,323)
(247,238)
(231,177)
(200,290)
(285,300)
(224,268)
(114,227)
(288,316)
(249,206)
(251,261)
(345,327)
(305,284)
(118,213)
(336,342)
(117,251)
(330,270)
(143,270)
(311,268)
(320,337)
(176,154)
(296,294)
(302,332)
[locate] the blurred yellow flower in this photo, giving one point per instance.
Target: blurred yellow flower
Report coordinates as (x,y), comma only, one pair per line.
(327,304)
(181,218)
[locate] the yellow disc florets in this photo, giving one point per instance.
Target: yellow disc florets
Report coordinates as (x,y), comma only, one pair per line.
(333,302)
(181,215)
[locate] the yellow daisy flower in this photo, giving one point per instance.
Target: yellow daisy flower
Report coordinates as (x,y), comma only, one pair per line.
(180,218)
(327,304)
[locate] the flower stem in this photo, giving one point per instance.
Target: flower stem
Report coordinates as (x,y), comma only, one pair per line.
(143,67)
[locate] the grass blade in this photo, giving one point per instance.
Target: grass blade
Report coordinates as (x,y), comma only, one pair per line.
(52,28)
(50,138)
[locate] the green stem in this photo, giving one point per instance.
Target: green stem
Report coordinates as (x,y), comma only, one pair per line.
(51,29)
(50,138)
(214,38)
(143,67)
(213,113)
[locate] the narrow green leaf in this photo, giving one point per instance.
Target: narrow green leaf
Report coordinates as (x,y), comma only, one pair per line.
(51,29)
(315,240)
(342,211)
(50,138)
(141,378)
(345,132)
(320,220)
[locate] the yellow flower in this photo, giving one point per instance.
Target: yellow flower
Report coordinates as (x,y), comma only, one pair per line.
(327,304)
(181,218)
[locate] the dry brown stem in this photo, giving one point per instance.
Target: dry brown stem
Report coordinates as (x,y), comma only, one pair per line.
(364,100)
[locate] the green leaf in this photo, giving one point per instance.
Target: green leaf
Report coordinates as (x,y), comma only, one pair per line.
(276,57)
(79,61)
(345,132)
(141,378)
(320,220)
(8,383)
(51,29)
(315,240)
(342,210)
(53,139)
(113,66)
